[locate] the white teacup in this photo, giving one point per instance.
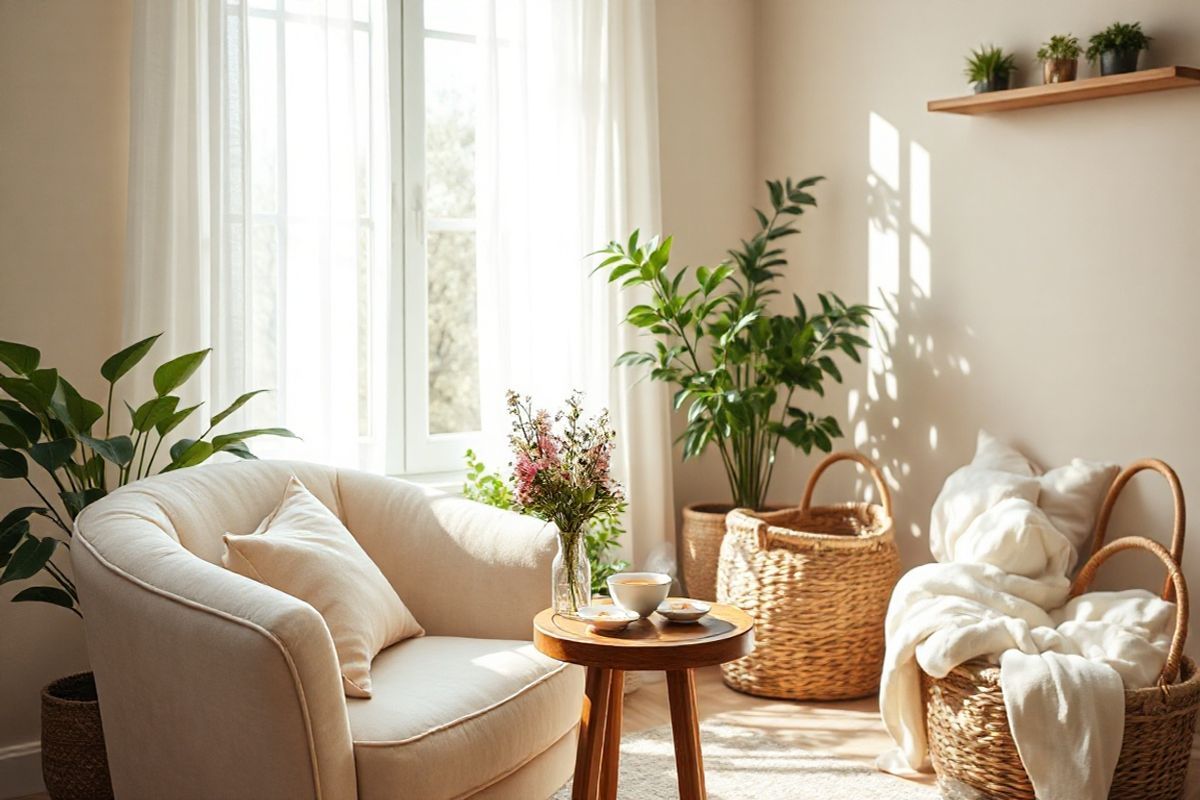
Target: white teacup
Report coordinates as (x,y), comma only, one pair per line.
(639,592)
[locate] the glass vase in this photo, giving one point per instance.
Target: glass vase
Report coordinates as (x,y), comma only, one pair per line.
(571,574)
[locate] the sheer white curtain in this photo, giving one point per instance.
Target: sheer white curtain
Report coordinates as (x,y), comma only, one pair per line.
(255,225)
(566,160)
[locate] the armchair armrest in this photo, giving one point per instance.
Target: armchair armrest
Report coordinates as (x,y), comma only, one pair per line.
(463,568)
(210,685)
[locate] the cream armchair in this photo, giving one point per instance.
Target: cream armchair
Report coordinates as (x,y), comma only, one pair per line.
(215,687)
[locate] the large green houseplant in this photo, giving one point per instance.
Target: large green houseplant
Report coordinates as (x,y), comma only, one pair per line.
(45,423)
(738,366)
(62,446)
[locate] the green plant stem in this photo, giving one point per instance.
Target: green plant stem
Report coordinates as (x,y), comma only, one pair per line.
(49,507)
(108,412)
(154,453)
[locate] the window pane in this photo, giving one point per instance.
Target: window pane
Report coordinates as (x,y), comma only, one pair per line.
(364,330)
(449,128)
(264,115)
(452,16)
(265,324)
(453,347)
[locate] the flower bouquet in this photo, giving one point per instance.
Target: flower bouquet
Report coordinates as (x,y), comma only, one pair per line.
(562,476)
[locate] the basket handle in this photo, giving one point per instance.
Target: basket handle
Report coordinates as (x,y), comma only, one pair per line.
(885,496)
(1114,491)
(1175,579)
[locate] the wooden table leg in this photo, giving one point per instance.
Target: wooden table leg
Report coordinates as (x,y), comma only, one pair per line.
(591,734)
(685,725)
(611,761)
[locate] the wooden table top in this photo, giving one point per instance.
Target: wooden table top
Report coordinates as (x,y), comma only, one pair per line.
(725,634)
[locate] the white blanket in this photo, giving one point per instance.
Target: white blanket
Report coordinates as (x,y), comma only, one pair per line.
(1008,539)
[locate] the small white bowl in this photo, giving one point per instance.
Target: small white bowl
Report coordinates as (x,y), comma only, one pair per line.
(640,592)
(607,618)
(682,609)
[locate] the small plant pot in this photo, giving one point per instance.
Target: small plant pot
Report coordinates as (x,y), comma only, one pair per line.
(74,760)
(996,83)
(1116,62)
(1059,70)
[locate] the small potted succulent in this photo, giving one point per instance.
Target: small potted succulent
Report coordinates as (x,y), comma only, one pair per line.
(1060,58)
(990,69)
(1117,47)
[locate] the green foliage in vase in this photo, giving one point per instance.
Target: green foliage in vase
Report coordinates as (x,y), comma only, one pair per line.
(989,63)
(1119,37)
(45,423)
(602,535)
(1060,48)
(735,365)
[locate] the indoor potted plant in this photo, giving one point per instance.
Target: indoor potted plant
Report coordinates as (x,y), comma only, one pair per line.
(737,365)
(1117,47)
(1060,58)
(562,476)
(50,435)
(990,69)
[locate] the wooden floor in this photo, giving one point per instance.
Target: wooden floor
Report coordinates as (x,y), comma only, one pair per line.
(851,729)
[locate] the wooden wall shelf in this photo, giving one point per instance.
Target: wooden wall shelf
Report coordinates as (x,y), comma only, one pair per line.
(1146,80)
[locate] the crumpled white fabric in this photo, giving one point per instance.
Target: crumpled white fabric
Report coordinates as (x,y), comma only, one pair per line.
(1001,595)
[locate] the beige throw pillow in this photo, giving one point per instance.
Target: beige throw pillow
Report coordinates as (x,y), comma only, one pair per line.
(302,549)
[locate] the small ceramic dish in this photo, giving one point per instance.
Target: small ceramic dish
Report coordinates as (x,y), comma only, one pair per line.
(681,609)
(607,618)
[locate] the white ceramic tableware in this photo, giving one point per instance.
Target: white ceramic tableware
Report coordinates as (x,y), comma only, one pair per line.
(640,592)
(682,609)
(607,618)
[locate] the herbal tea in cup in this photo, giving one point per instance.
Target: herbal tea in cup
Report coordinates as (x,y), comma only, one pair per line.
(639,592)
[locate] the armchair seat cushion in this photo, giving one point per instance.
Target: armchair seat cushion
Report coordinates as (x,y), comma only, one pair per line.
(451,716)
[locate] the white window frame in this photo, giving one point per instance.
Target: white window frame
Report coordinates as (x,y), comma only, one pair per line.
(412,450)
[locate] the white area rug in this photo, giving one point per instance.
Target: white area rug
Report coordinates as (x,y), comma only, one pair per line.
(741,763)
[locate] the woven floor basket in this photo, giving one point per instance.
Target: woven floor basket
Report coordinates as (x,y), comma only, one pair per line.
(74,761)
(817,580)
(970,743)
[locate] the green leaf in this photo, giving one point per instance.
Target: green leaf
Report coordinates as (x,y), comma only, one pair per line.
(29,558)
(21,419)
(11,534)
(78,501)
(175,372)
(21,513)
(172,422)
(13,464)
(234,406)
(12,437)
(219,442)
(45,594)
(117,450)
(72,409)
(240,450)
(20,358)
(193,452)
(117,365)
(52,455)
(25,392)
(153,411)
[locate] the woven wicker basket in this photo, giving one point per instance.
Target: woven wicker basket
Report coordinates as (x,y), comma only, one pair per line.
(703,531)
(817,580)
(971,745)
(74,760)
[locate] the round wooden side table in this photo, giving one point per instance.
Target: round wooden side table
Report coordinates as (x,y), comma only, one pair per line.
(726,634)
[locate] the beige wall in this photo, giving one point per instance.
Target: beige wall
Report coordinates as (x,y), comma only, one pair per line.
(706,92)
(1046,263)
(64,113)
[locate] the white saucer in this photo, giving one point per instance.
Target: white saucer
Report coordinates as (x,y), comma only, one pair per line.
(607,618)
(679,609)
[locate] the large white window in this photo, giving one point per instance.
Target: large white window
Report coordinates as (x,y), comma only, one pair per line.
(352,242)
(433,141)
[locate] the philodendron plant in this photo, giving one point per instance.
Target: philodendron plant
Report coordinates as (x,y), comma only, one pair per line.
(736,364)
(45,423)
